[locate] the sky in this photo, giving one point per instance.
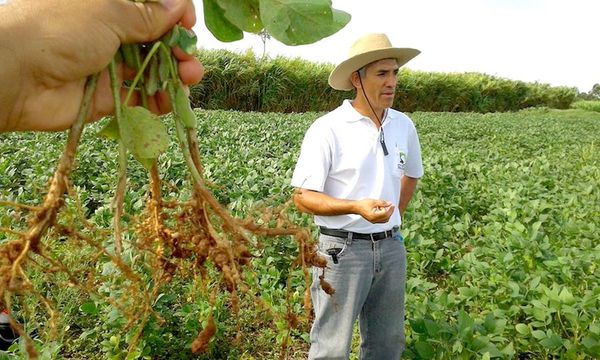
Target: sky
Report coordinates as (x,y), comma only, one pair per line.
(556,42)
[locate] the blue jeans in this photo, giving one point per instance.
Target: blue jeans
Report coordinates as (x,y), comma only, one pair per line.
(369,281)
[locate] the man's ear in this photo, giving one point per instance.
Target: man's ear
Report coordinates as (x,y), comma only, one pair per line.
(354,78)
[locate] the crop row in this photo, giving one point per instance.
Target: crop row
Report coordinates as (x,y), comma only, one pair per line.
(502,235)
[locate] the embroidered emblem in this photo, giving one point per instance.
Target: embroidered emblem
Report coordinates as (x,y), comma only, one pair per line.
(401,157)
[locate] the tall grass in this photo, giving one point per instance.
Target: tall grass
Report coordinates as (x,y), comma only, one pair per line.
(590,105)
(235,81)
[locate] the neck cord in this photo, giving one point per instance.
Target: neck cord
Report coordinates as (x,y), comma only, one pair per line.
(381,134)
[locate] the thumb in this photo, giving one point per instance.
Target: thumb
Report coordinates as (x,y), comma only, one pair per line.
(138,22)
(382,203)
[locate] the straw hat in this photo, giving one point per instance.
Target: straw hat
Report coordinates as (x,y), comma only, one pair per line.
(367,49)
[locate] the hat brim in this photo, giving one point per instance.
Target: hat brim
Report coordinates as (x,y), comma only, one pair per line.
(339,78)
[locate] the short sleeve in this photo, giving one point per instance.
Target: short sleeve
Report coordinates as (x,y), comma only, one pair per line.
(414,164)
(314,161)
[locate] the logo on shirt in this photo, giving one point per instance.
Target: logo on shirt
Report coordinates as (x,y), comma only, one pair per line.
(401,156)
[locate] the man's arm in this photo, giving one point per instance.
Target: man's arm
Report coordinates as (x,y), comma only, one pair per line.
(406,193)
(317,203)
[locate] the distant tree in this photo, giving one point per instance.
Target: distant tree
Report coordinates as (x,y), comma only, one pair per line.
(264,36)
(595,92)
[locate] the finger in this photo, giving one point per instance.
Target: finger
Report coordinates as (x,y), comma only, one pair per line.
(137,22)
(189,16)
(191,72)
(381,203)
(160,103)
(181,55)
(390,212)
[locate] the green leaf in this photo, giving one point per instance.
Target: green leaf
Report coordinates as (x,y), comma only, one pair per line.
(89,308)
(143,134)
(489,323)
(509,350)
(110,130)
(183,108)
(457,347)
(153,81)
(217,23)
(467,292)
(534,282)
(170,38)
(522,329)
(538,334)
(128,53)
(295,22)
(465,322)
(424,349)
(552,342)
(164,68)
(432,328)
(418,325)
(183,38)
(566,296)
(589,342)
(187,40)
(244,14)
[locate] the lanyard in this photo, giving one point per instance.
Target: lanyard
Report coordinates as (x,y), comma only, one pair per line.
(381,134)
(382,141)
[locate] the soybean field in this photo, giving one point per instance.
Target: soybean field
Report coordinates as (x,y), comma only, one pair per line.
(503,240)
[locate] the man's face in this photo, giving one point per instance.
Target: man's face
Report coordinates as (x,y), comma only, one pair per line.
(379,83)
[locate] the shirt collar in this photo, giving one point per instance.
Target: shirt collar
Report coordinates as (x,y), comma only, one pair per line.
(352,115)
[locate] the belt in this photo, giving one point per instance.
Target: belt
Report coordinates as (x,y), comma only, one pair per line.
(344,234)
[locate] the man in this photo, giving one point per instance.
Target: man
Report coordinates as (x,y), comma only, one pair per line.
(357,171)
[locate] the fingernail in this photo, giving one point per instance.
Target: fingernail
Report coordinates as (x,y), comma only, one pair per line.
(169,4)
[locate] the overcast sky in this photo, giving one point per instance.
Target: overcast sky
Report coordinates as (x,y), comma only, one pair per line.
(549,41)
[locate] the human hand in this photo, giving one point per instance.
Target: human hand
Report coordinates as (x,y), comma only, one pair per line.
(49,48)
(375,211)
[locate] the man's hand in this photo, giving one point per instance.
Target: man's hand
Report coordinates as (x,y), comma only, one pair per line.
(375,211)
(52,46)
(317,203)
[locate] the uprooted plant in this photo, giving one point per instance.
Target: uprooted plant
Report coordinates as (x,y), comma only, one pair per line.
(176,238)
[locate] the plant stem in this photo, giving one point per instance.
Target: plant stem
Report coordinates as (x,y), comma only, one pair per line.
(167,52)
(122,172)
(140,72)
(54,199)
(192,140)
(197,180)
(138,66)
(155,193)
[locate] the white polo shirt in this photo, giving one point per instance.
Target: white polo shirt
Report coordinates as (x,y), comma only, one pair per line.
(342,157)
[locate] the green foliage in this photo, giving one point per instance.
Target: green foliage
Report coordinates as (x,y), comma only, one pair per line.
(290,21)
(143,134)
(218,24)
(243,82)
(182,38)
(502,237)
(589,105)
(298,23)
